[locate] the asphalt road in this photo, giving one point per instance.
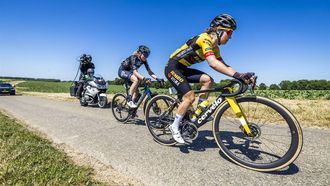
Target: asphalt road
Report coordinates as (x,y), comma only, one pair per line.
(130,149)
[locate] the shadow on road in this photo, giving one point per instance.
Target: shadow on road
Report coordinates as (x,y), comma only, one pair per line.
(11,95)
(135,121)
(240,147)
(205,140)
(108,106)
(290,170)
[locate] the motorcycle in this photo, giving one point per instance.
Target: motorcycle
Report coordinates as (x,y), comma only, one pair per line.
(93,92)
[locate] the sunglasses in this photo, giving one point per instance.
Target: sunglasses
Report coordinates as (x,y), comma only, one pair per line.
(229,32)
(146,55)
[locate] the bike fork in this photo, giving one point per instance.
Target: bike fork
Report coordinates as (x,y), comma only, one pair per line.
(241,116)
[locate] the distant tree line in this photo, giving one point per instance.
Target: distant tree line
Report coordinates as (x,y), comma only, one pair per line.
(31,79)
(297,85)
(284,85)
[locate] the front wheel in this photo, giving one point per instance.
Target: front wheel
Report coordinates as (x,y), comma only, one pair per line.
(119,107)
(103,101)
(154,106)
(159,119)
(277,136)
(83,102)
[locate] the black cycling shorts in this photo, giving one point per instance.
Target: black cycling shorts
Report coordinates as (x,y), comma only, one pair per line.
(180,76)
(125,74)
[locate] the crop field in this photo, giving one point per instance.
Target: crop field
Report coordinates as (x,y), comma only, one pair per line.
(295,94)
(63,87)
(42,86)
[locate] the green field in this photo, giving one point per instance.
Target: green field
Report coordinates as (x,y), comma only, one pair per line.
(43,86)
(63,87)
(27,159)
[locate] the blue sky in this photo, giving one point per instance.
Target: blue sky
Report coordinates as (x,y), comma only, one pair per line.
(277,39)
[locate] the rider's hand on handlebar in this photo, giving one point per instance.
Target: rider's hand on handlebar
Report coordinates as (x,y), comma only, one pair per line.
(147,80)
(160,81)
(248,78)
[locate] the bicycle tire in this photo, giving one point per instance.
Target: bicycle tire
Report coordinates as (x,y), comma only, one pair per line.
(145,104)
(290,155)
(103,102)
(170,141)
(114,106)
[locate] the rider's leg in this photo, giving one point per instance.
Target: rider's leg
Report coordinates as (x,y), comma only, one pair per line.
(132,90)
(134,86)
(136,95)
(177,74)
(127,76)
(187,100)
(80,89)
(207,83)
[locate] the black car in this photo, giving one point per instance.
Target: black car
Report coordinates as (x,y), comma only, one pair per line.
(6,88)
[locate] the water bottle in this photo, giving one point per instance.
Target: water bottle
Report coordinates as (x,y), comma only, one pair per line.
(200,108)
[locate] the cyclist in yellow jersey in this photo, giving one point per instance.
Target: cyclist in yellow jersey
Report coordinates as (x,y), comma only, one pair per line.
(195,50)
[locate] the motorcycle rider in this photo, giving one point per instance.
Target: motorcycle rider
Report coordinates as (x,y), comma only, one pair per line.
(85,65)
(89,75)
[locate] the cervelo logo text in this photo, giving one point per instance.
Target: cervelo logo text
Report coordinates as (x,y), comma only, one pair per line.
(214,105)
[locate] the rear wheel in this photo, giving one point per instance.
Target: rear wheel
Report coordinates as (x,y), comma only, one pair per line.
(119,107)
(158,119)
(277,137)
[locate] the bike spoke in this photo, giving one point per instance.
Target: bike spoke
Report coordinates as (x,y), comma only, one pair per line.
(265,152)
(271,141)
(275,135)
(270,125)
(232,122)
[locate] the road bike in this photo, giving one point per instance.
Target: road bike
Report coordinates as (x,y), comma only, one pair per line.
(122,112)
(255,132)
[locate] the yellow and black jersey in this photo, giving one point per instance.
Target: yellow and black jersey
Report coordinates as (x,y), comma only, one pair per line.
(195,50)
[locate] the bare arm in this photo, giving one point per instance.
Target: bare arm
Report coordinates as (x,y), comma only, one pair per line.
(152,74)
(219,66)
(149,70)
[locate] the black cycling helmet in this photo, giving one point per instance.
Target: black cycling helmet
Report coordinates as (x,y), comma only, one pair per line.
(144,50)
(225,21)
(82,58)
(89,58)
(85,58)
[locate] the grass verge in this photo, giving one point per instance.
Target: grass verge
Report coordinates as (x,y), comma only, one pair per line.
(27,159)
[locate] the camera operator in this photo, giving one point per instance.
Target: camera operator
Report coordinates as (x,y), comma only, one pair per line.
(85,64)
